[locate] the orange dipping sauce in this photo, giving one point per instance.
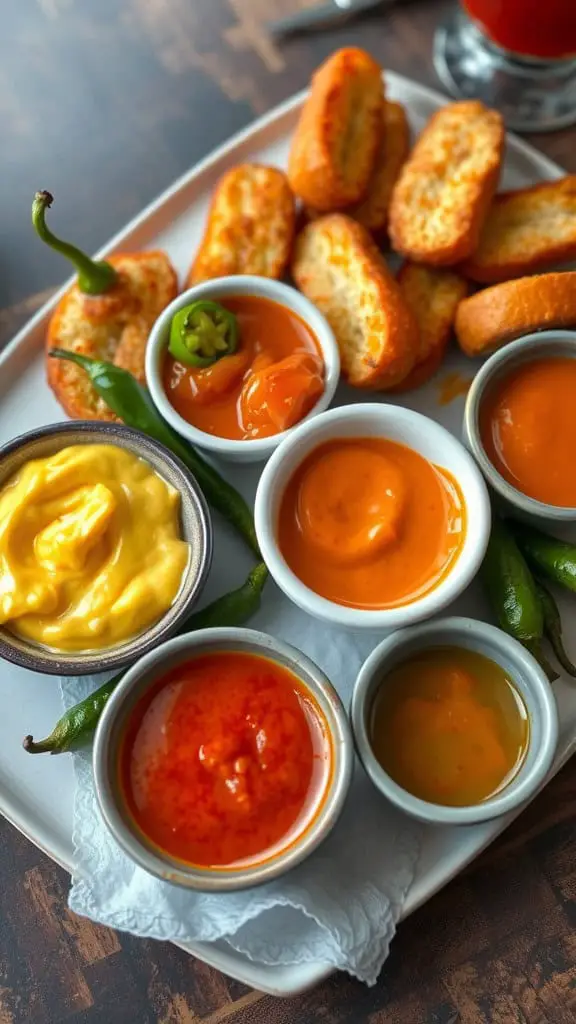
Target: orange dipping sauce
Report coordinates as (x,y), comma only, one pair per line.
(270,383)
(528,429)
(449,726)
(226,760)
(369,523)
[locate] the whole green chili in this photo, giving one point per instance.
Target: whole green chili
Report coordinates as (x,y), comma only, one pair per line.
(553,627)
(550,557)
(74,729)
(511,590)
(131,402)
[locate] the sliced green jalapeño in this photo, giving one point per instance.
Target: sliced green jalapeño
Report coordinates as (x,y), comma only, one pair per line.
(203,332)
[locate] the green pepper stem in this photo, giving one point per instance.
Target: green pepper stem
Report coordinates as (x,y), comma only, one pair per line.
(42,747)
(94,276)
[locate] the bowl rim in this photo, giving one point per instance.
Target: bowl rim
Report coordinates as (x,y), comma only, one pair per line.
(137,682)
(219,288)
(420,637)
(108,658)
(523,350)
(274,478)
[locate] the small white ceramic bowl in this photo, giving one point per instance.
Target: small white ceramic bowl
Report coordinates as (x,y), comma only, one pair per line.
(415,431)
(540,345)
(258,449)
(525,673)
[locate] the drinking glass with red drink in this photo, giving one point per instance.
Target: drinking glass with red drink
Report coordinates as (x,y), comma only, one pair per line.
(517,55)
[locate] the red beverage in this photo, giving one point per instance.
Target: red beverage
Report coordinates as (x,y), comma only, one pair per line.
(531,28)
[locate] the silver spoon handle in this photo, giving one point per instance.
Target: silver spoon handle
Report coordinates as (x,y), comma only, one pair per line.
(327,13)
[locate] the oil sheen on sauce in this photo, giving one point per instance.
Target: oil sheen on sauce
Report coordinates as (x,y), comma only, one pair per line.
(449,726)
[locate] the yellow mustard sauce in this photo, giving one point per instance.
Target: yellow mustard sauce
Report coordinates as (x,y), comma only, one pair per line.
(90,548)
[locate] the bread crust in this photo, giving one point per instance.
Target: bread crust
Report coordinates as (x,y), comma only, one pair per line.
(445,188)
(526,230)
(334,147)
(491,318)
(433,295)
(113,326)
(338,267)
(250,227)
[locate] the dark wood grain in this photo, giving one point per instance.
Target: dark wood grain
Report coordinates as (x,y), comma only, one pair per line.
(105,102)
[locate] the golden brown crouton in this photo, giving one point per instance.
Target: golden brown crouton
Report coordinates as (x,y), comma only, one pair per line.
(526,230)
(250,227)
(372,212)
(113,326)
(441,198)
(337,265)
(499,314)
(334,147)
(433,296)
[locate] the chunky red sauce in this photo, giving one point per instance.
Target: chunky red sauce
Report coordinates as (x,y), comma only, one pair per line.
(532,28)
(270,383)
(226,760)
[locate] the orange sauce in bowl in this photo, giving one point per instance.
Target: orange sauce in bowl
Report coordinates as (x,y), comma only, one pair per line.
(270,383)
(369,523)
(449,726)
(225,761)
(528,429)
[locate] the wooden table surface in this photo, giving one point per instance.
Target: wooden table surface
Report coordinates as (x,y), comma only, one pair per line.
(105,102)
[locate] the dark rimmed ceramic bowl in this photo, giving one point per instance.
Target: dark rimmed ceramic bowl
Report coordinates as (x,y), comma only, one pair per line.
(196,529)
(529,348)
(108,740)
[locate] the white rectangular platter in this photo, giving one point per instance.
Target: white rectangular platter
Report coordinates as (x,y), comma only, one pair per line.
(36,793)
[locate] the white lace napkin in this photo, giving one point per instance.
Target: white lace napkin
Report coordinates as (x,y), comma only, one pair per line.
(340,907)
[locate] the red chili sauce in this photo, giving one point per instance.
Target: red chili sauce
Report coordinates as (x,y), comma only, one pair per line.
(226,760)
(532,28)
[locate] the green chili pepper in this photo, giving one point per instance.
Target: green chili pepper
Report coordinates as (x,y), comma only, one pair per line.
(553,627)
(203,332)
(511,590)
(74,729)
(553,558)
(94,276)
(126,397)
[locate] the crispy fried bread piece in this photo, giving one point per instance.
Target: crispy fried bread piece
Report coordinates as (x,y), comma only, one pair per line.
(441,198)
(526,230)
(372,212)
(250,227)
(496,315)
(433,295)
(334,146)
(113,326)
(337,265)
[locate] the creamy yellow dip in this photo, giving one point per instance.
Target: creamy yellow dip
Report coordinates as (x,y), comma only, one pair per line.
(90,548)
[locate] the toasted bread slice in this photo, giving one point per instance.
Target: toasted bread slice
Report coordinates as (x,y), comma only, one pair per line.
(250,227)
(499,314)
(337,265)
(372,212)
(334,147)
(113,326)
(526,230)
(442,196)
(433,296)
